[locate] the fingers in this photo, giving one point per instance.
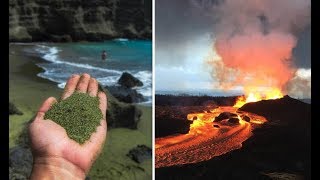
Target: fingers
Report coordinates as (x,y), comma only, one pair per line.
(70,86)
(93,87)
(83,83)
(103,103)
(45,107)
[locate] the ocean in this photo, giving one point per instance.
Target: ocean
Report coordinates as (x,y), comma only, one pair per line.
(60,60)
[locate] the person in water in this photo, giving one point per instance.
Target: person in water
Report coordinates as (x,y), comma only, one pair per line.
(104,55)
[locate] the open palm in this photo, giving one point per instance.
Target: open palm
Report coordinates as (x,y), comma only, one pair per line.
(50,140)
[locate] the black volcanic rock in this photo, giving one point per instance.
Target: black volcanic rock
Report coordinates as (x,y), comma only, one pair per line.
(140,153)
(216,126)
(171,120)
(20,162)
(224,115)
(233,120)
(121,114)
(285,110)
(185,100)
(245,118)
(129,81)
(125,94)
(14,110)
(76,20)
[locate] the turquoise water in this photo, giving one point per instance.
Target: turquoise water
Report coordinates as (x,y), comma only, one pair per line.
(133,56)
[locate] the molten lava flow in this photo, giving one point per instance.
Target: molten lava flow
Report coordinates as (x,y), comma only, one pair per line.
(206,138)
(273,93)
(201,124)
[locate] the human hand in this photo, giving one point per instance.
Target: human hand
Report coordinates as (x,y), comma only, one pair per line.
(57,156)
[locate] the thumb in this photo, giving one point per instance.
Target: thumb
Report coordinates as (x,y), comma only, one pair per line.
(45,107)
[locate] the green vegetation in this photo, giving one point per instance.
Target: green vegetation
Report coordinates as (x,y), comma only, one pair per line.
(79,115)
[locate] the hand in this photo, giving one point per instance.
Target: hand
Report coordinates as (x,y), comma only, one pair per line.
(57,156)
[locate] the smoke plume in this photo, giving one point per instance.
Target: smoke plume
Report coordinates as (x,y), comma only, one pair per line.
(255,40)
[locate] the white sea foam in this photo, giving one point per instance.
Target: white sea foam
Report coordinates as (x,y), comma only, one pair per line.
(51,54)
(121,39)
(108,81)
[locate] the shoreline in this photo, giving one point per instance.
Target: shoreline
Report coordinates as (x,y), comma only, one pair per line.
(40,60)
(26,90)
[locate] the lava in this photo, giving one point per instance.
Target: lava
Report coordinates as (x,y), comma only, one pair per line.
(204,141)
(254,96)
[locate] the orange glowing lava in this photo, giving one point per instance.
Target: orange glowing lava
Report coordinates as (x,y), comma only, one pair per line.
(206,138)
(254,96)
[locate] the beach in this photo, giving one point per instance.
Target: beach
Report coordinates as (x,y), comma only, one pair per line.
(27,91)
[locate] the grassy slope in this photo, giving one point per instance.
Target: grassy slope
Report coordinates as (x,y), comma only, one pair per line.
(113,162)
(27,92)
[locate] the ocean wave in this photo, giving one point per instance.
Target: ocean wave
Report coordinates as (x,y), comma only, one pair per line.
(144,76)
(121,39)
(51,54)
(108,81)
(56,72)
(147,91)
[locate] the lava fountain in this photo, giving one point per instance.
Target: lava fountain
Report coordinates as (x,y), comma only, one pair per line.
(274,93)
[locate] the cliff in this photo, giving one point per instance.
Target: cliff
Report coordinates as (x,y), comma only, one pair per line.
(77,20)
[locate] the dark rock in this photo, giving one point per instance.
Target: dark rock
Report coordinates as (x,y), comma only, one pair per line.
(14,110)
(64,20)
(61,38)
(20,162)
(129,81)
(169,126)
(120,114)
(171,120)
(126,116)
(233,120)
(245,118)
(140,153)
(209,102)
(224,115)
(23,138)
(195,118)
(216,126)
(125,94)
(282,108)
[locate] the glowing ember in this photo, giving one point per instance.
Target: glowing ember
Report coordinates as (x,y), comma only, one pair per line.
(273,93)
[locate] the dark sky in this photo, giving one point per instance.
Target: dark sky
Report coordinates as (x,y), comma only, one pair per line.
(302,52)
(179,21)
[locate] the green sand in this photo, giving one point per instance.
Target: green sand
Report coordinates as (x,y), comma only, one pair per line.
(27,92)
(79,115)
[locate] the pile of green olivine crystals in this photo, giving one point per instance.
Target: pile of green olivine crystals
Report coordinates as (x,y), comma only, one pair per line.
(79,115)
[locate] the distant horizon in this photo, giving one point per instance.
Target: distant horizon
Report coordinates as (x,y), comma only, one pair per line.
(208,92)
(201,92)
